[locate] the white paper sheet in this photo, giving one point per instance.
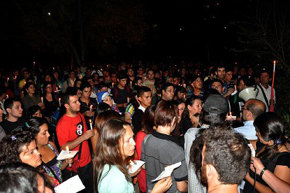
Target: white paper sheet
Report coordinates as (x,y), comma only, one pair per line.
(135,166)
(72,185)
(66,155)
(167,171)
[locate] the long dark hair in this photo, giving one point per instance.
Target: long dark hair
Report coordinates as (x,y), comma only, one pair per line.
(108,149)
(148,119)
(271,127)
(33,125)
(185,122)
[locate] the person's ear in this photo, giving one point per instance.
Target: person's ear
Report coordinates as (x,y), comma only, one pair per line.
(210,171)
(66,106)
(8,110)
(271,142)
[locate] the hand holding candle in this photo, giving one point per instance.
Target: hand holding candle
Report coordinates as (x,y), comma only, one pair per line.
(91,124)
(67,149)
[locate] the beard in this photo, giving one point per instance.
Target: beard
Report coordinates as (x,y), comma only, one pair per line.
(203,175)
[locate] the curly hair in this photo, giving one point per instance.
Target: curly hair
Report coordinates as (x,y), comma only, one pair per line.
(228,152)
(12,145)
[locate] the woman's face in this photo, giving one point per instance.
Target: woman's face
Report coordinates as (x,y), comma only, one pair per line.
(37,114)
(181,108)
(29,155)
(31,89)
(48,88)
(42,137)
(195,107)
(127,143)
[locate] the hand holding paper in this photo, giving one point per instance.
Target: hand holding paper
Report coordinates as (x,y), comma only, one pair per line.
(134,166)
(167,171)
(66,155)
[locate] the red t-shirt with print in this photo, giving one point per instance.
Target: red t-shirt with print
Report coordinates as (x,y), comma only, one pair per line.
(70,128)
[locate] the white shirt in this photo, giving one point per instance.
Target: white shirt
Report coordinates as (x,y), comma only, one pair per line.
(267,92)
(248,130)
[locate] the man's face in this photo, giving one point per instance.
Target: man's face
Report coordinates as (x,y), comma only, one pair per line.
(130,72)
(241,85)
(86,93)
(264,78)
(145,99)
(16,110)
(245,111)
(74,104)
(221,73)
(72,75)
(168,94)
(197,84)
(218,86)
(229,76)
(150,75)
(123,82)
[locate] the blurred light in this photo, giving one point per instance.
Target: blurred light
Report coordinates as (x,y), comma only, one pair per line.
(225,27)
(49,13)
(180,29)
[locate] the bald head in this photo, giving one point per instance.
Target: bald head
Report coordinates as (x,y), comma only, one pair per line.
(255,106)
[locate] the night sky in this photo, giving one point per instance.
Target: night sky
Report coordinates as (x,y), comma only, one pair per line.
(197,30)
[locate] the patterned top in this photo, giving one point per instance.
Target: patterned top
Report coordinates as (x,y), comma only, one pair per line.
(53,167)
(130,109)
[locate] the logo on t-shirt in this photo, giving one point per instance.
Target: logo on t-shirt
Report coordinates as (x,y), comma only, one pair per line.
(79,129)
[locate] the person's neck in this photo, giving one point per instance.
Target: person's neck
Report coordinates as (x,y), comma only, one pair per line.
(121,87)
(71,114)
(164,130)
(12,119)
(224,188)
(265,85)
(196,91)
(84,99)
(30,94)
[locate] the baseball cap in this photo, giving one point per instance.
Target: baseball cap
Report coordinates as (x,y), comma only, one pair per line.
(216,103)
(102,96)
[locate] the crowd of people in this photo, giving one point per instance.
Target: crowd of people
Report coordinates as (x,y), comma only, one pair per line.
(225,139)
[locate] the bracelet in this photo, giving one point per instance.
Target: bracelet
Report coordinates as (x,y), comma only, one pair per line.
(262,172)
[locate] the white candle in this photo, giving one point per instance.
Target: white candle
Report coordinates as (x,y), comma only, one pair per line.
(59,101)
(41,98)
(91,107)
(67,149)
(91,124)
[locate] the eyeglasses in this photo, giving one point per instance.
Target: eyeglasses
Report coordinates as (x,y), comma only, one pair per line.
(245,108)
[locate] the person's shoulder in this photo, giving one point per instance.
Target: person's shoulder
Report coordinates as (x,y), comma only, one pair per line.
(284,159)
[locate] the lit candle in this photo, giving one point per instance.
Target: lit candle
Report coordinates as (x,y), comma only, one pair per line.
(7,96)
(41,98)
(59,101)
(91,107)
(230,113)
(67,150)
(91,124)
(7,79)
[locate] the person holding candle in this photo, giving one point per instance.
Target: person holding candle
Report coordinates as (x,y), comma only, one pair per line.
(264,88)
(72,131)
(88,105)
(46,148)
(30,97)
